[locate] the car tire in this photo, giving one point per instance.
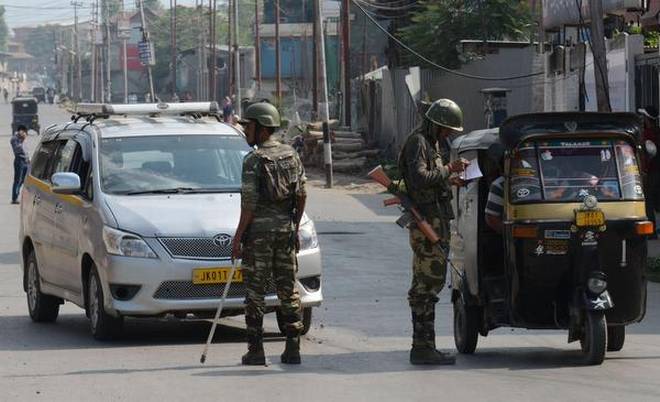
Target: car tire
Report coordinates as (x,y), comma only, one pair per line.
(306,320)
(102,325)
(466,326)
(42,307)
(616,337)
(594,340)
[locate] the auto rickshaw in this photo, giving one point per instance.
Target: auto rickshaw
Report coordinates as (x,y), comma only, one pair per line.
(25,112)
(572,251)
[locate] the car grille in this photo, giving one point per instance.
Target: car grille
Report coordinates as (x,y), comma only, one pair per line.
(197,248)
(186,290)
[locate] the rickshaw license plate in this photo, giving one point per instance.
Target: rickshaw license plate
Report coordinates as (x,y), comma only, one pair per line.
(206,276)
(589,218)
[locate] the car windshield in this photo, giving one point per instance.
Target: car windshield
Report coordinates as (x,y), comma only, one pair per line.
(570,171)
(171,164)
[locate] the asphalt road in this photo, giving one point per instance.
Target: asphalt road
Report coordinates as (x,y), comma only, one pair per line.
(357,350)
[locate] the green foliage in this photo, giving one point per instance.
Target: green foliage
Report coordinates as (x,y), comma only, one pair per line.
(438,27)
(4,31)
(191,24)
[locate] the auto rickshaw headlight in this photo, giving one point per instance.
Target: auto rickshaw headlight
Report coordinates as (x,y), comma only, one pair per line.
(597,283)
(590,202)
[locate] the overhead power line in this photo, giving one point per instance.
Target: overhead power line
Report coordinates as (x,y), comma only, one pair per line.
(434,64)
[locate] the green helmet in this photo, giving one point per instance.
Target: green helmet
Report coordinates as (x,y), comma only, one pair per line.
(263,113)
(446,113)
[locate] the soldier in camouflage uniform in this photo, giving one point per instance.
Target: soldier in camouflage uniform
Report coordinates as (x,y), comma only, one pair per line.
(425,168)
(272,203)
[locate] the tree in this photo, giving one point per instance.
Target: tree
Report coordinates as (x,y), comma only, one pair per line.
(438,26)
(4,31)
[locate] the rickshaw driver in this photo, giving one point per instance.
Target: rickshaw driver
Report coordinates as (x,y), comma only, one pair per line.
(425,169)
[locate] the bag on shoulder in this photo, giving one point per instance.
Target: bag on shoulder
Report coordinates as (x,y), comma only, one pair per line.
(279,176)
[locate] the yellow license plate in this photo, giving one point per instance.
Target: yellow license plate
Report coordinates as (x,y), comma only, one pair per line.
(204,276)
(589,218)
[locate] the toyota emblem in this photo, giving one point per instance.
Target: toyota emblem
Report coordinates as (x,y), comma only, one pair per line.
(222,240)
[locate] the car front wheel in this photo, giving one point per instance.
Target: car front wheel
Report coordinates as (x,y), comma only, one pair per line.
(42,307)
(103,325)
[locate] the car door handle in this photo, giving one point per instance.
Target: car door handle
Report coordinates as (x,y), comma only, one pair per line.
(36,200)
(58,208)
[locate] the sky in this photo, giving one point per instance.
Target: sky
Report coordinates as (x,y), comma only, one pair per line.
(38,12)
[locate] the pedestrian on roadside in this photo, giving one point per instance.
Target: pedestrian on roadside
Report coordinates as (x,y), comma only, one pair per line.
(272,203)
(427,174)
(21,161)
(5,93)
(227,109)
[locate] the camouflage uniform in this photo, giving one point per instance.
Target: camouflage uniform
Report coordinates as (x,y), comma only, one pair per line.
(422,161)
(269,244)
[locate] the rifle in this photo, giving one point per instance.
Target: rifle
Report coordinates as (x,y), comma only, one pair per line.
(411,214)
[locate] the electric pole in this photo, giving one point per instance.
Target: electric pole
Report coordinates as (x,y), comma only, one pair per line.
(323,87)
(346,40)
(230,54)
(107,54)
(237,61)
(315,66)
(600,56)
(213,38)
(145,38)
(92,36)
(278,61)
(173,44)
(257,45)
(75,5)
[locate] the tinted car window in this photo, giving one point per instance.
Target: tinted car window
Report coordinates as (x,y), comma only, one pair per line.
(64,156)
(42,158)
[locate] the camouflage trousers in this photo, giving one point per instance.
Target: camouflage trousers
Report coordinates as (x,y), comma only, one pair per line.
(429,272)
(266,257)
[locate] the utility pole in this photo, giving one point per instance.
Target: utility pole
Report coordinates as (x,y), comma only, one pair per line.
(145,38)
(230,54)
(323,87)
(600,56)
(108,60)
(123,32)
(257,45)
(278,61)
(315,65)
(213,38)
(237,61)
(75,5)
(92,36)
(173,44)
(346,40)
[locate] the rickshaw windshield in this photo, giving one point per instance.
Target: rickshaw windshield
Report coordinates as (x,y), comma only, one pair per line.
(25,107)
(570,171)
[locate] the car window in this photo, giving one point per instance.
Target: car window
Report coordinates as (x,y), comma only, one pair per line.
(42,159)
(64,156)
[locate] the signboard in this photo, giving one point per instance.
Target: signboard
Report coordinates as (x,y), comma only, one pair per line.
(124,26)
(146,53)
(565,12)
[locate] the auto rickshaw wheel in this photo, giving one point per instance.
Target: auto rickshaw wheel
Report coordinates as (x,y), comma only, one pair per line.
(594,340)
(466,326)
(616,337)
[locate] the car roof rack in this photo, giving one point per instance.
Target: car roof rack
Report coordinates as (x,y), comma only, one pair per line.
(92,111)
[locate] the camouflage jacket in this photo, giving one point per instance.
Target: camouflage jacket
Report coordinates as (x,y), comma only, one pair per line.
(268,216)
(421,162)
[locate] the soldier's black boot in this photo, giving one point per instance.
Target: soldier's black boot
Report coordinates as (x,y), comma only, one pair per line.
(291,353)
(255,355)
(423,350)
(255,337)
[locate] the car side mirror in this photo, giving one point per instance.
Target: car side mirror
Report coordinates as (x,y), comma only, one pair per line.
(65,183)
(651,148)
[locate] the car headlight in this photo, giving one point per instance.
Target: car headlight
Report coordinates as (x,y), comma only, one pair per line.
(307,236)
(126,244)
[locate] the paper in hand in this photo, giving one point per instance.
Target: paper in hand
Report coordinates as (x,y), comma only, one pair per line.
(472,171)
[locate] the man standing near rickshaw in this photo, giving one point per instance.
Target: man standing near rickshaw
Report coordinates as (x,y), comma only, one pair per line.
(427,174)
(272,204)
